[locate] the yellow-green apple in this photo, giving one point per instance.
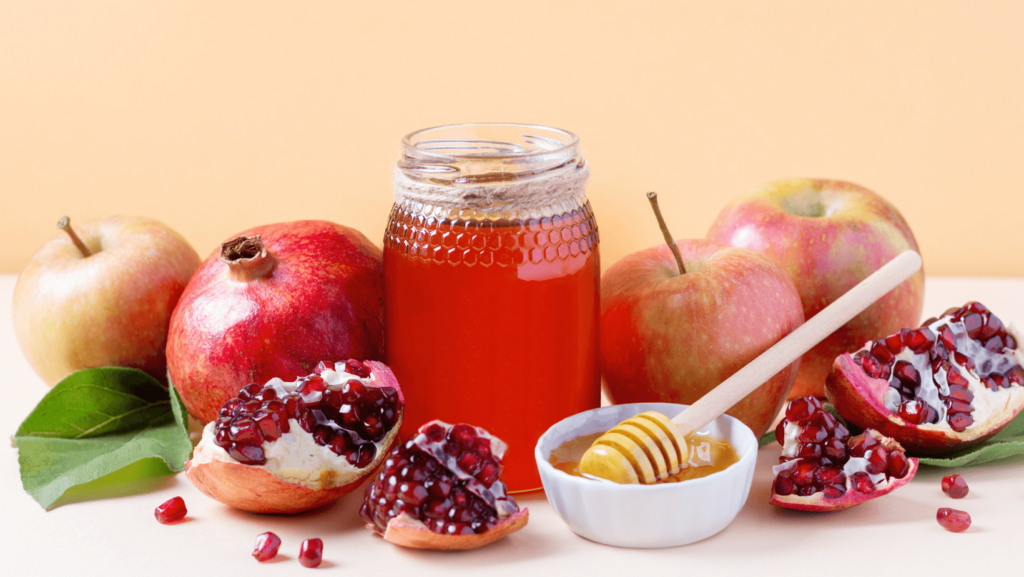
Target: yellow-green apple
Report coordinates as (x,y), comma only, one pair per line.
(828,235)
(101,297)
(673,337)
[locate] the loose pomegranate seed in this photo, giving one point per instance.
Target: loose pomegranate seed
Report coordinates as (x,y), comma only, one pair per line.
(311,553)
(953,520)
(266,547)
(954,486)
(171,510)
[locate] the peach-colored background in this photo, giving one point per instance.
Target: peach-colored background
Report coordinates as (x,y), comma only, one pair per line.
(217,116)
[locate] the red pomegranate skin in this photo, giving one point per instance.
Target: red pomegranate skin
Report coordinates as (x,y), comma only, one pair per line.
(828,235)
(323,299)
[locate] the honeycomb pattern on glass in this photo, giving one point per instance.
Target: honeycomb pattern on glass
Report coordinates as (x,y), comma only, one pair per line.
(441,235)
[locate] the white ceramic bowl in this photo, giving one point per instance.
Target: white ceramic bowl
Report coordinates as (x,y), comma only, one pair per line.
(646,516)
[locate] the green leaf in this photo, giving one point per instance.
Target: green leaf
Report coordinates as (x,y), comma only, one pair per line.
(767,439)
(95,422)
(1009,442)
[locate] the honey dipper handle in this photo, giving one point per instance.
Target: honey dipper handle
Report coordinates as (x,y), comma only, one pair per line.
(791,347)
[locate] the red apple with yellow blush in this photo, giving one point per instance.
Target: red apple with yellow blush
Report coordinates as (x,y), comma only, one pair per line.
(828,235)
(101,294)
(671,337)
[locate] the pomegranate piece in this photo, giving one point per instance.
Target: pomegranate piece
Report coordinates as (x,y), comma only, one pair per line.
(953,520)
(311,553)
(444,481)
(171,510)
(954,486)
(934,379)
(263,454)
(843,472)
(266,547)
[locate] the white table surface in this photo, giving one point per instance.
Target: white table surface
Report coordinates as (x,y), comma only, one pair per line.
(114,532)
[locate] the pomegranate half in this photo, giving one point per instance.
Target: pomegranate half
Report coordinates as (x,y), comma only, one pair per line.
(273,302)
(287,447)
(441,490)
(950,384)
(823,468)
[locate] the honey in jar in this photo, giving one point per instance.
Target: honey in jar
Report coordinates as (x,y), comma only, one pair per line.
(491,275)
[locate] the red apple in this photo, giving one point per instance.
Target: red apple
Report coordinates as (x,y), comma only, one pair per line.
(273,302)
(828,235)
(673,337)
(110,308)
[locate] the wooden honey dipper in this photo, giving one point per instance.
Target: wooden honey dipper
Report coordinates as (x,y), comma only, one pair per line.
(649,447)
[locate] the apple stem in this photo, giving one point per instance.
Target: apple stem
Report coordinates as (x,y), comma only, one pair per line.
(653,197)
(65,225)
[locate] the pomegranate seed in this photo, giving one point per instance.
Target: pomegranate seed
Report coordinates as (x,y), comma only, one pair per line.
(912,411)
(920,340)
(874,368)
(245,430)
(835,450)
(266,546)
(878,460)
(977,307)
(834,491)
(310,386)
(993,327)
(311,553)
(954,486)
(357,368)
(859,445)
(862,483)
(894,342)
(1011,343)
(954,406)
(964,361)
(826,420)
(802,408)
(829,476)
(780,432)
(171,510)
(898,466)
(882,353)
(947,338)
(783,486)
(813,432)
(959,393)
(906,373)
(973,322)
(953,520)
(247,454)
(994,344)
(960,422)
(249,391)
(1016,375)
(803,474)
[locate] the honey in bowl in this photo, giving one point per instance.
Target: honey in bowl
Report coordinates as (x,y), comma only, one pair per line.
(707,455)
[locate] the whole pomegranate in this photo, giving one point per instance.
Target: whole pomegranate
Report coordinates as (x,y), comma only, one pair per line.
(287,447)
(273,302)
(947,385)
(823,468)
